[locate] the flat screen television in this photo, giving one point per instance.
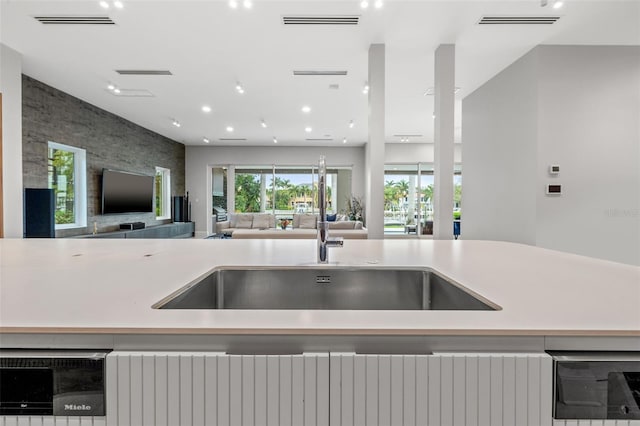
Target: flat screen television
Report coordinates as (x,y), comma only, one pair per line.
(126,192)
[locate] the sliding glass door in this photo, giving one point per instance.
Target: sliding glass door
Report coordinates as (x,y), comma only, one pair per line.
(408,196)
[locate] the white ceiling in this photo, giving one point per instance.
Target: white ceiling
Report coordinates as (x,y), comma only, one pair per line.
(209,47)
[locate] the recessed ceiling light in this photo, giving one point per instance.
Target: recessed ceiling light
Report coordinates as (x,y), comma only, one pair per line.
(308,129)
(344,140)
(111,87)
(239,88)
(364,4)
(116,90)
(351,124)
(205,140)
(306,109)
(433,115)
(365,89)
(275,140)
(558,4)
(229,129)
(233,4)
(377,4)
(118,4)
(248,4)
(176,123)
(206,108)
(104,5)
(263,124)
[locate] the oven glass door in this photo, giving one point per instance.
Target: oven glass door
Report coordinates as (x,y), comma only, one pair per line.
(26,391)
(597,390)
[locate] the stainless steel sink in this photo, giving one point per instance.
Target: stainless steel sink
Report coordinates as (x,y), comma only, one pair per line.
(329,288)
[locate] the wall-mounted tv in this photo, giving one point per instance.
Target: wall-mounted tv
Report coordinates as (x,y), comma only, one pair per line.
(126,192)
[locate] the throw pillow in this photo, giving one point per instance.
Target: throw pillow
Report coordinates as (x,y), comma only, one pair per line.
(332,217)
(308,221)
(244,221)
(232,220)
(262,221)
(343,224)
(358,225)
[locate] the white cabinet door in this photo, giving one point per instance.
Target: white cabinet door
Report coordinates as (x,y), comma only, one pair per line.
(215,389)
(441,389)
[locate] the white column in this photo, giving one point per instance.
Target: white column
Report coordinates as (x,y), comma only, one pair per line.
(374,150)
(11,89)
(231,189)
(444,108)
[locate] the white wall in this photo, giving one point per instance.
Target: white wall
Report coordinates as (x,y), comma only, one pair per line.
(589,119)
(499,133)
(11,88)
(198,159)
(576,106)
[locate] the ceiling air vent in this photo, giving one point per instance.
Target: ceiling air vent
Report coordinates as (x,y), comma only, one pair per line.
(132,93)
(518,20)
(319,139)
(318,72)
(144,72)
(75,20)
(232,139)
(321,20)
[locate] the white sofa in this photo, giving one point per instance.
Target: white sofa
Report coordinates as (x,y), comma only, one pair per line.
(304,226)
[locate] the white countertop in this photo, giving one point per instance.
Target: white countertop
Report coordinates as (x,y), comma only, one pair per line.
(108,286)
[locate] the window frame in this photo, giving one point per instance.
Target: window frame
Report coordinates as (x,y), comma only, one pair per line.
(80,184)
(166,193)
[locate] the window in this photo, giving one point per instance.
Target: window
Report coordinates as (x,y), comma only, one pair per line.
(68,179)
(163,193)
(408,195)
(281,190)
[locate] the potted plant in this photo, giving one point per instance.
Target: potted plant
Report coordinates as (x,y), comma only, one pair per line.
(355,209)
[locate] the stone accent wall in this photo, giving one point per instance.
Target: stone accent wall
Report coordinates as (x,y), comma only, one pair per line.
(111,142)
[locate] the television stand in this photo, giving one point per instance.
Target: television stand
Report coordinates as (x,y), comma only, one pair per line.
(169,230)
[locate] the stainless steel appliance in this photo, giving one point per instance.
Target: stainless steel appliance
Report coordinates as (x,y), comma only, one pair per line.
(596,385)
(59,383)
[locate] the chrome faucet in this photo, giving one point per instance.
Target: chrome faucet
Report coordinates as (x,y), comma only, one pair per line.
(324,242)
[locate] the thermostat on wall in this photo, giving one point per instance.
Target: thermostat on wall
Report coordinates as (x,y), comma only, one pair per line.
(554,189)
(554,169)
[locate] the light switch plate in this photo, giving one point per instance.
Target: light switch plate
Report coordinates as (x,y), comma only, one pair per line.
(554,189)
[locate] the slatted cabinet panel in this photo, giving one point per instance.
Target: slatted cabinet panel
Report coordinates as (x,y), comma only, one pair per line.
(216,389)
(441,389)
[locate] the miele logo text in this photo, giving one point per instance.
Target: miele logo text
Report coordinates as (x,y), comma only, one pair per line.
(74,407)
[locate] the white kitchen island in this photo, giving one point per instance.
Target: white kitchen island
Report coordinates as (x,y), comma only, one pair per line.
(313,366)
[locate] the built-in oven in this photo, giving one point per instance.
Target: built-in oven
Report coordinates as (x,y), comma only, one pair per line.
(596,385)
(59,383)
